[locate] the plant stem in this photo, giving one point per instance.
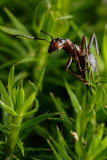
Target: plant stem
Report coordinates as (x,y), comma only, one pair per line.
(13,135)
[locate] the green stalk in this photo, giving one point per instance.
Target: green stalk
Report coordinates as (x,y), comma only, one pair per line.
(13,135)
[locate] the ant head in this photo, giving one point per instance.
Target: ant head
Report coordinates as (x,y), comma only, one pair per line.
(56,44)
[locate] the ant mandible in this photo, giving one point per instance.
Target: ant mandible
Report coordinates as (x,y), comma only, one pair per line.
(81,53)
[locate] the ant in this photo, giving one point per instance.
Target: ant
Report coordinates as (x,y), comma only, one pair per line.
(81,53)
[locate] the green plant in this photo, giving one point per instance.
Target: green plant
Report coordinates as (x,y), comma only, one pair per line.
(83,116)
(16,107)
(86,136)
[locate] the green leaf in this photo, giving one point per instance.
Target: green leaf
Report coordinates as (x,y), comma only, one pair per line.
(100,131)
(60,139)
(4,94)
(104,46)
(15,21)
(15,158)
(3,129)
(7,109)
(73,98)
(61,150)
(20,98)
(40,80)
(20,145)
(11,82)
(42,131)
(2,142)
(1,152)
(6,119)
(10,63)
(27,59)
(53,149)
(12,43)
(65,146)
(36,149)
(28,102)
(38,25)
(64,17)
(42,20)
(25,132)
(20,27)
(78,123)
(33,111)
(102,146)
(59,107)
(11,31)
(37,120)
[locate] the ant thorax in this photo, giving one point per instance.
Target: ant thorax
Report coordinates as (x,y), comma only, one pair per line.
(68,42)
(71,48)
(77,48)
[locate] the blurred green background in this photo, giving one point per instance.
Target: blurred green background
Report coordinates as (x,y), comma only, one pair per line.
(60,18)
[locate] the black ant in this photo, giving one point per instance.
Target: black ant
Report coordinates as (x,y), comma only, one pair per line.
(81,53)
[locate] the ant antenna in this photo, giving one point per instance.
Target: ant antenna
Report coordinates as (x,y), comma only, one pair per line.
(47,34)
(31,37)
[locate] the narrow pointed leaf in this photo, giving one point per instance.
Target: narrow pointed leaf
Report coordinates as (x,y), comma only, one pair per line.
(53,149)
(10,31)
(33,111)
(40,80)
(15,158)
(60,140)
(104,47)
(37,120)
(15,21)
(78,123)
(1,152)
(28,102)
(2,142)
(64,155)
(60,108)
(103,145)
(73,98)
(20,27)
(7,109)
(11,82)
(42,131)
(20,145)
(5,95)
(20,100)
(3,129)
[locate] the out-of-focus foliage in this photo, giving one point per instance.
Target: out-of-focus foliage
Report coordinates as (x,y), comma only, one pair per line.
(82,110)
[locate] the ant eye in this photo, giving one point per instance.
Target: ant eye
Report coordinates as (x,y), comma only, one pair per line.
(61,40)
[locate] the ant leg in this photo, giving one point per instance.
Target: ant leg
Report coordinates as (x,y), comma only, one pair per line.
(86,51)
(71,72)
(76,57)
(93,38)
